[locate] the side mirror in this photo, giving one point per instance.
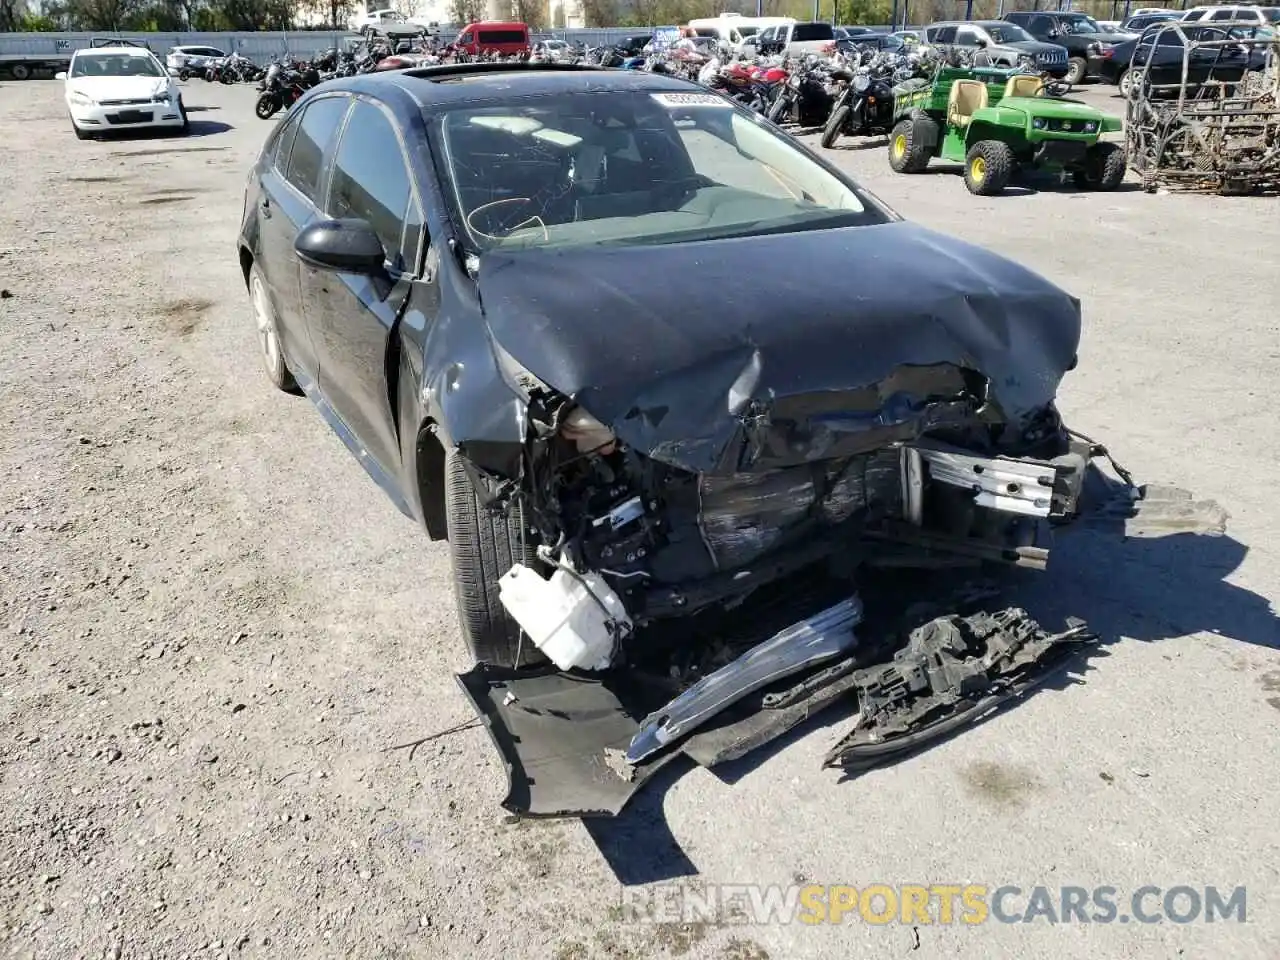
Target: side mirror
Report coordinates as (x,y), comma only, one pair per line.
(980,43)
(60,75)
(343,246)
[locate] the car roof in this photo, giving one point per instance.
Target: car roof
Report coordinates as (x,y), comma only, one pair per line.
(128,51)
(461,83)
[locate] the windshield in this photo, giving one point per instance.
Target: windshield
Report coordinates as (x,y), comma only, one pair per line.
(1009,33)
(1080,25)
(1271,14)
(629,168)
(115,65)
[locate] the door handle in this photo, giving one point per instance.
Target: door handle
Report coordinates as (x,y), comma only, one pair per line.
(265,207)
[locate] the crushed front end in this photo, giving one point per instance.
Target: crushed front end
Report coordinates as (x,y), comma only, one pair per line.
(722,506)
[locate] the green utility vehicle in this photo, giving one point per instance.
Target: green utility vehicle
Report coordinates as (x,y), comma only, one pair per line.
(996,121)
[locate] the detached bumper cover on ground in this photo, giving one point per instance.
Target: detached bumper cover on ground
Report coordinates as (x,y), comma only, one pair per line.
(564,738)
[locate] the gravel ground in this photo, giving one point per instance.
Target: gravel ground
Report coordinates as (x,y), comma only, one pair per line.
(217,633)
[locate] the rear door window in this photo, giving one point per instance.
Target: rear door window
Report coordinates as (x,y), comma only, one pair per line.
(942,34)
(500,36)
(812,31)
(371,180)
(284,144)
(316,130)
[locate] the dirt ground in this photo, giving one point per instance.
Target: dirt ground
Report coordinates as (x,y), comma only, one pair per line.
(219,637)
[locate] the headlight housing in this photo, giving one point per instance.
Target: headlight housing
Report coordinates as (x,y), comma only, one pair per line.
(1091,126)
(161,97)
(1039,122)
(80,99)
(861,81)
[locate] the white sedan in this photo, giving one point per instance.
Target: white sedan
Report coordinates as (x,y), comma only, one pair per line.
(121,88)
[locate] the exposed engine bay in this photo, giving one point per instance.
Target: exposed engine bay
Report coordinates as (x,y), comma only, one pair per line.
(660,541)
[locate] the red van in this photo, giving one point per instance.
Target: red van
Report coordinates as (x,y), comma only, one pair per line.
(494,35)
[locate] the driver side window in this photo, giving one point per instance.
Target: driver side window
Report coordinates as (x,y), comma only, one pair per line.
(371,182)
(967,37)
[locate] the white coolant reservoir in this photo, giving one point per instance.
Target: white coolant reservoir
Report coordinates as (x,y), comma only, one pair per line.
(562,619)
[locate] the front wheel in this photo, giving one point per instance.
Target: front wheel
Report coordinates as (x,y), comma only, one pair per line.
(266,106)
(988,166)
(835,126)
(227,77)
(80,134)
(907,151)
(1077,69)
(20,71)
(1103,168)
(184,75)
(483,546)
(1125,83)
(778,109)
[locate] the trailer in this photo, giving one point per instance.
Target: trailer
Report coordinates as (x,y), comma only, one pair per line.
(35,60)
(25,66)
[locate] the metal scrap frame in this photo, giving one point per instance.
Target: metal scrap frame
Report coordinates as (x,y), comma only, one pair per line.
(1212,135)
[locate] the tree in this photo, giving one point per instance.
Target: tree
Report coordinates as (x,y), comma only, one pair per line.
(600,13)
(463,12)
(13,13)
(532,12)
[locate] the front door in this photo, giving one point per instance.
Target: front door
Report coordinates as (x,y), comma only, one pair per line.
(353,317)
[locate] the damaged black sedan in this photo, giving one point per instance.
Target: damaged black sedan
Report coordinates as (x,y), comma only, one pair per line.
(646,362)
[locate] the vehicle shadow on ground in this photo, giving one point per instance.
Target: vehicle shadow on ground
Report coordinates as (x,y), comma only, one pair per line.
(201,109)
(195,128)
(1125,587)
(856,144)
(1028,184)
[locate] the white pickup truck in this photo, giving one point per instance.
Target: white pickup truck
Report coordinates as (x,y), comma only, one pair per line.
(391,23)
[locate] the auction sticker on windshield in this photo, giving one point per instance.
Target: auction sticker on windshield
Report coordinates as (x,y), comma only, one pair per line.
(691,100)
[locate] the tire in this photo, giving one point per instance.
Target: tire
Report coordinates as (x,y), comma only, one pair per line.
(483,546)
(81,134)
(1124,83)
(184,74)
(1077,70)
(906,153)
(186,121)
(988,166)
(777,108)
(266,106)
(835,125)
(226,77)
(20,71)
(1104,168)
(264,317)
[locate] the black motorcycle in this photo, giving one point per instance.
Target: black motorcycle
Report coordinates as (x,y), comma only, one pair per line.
(863,108)
(281,88)
(803,99)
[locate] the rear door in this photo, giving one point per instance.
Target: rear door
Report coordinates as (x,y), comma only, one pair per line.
(353,318)
(287,202)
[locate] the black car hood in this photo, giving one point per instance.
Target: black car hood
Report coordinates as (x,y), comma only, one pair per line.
(675,346)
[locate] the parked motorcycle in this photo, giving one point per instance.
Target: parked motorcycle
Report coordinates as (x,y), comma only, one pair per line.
(805,98)
(281,88)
